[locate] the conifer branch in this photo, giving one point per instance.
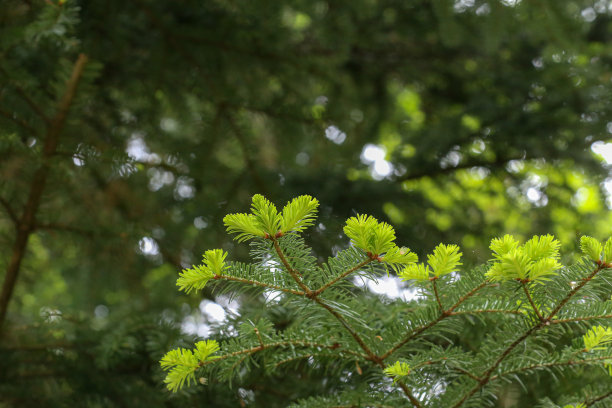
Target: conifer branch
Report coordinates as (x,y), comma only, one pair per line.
(294,274)
(9,211)
(572,362)
(481,311)
(594,401)
(486,377)
(33,105)
(342,276)
(27,221)
(18,121)
(580,319)
(436,294)
(258,283)
(310,294)
(574,291)
(534,307)
(280,344)
(443,315)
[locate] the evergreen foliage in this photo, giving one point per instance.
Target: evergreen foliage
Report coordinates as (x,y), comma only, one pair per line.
(129,129)
(531,330)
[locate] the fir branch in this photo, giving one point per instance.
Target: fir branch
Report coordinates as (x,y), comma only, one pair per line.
(294,274)
(371,355)
(482,311)
(574,291)
(33,105)
(436,294)
(39,180)
(486,377)
(342,276)
(19,122)
(258,283)
(281,344)
(535,308)
(569,363)
(9,211)
(595,400)
(580,319)
(443,315)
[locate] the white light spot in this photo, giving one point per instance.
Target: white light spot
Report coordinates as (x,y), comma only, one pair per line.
(382,168)
(184,188)
(375,156)
(510,3)
(168,125)
(462,5)
(335,135)
(452,159)
(372,153)
(214,312)
(272,296)
(231,305)
(78,161)
(588,14)
(50,315)
(159,178)
(604,150)
(200,223)
(302,158)
(515,166)
(137,149)
(148,246)
(537,63)
(101,311)
(607,184)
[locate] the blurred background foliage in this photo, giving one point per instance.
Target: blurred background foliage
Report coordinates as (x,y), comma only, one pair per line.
(454,120)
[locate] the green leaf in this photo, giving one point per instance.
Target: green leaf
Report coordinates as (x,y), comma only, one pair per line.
(266,214)
(502,246)
(196,277)
(418,272)
(299,214)
(597,338)
(591,248)
(245,225)
(444,259)
(607,258)
(543,246)
(397,370)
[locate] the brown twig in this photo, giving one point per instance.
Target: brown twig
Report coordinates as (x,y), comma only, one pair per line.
(27,222)
(435,289)
(9,211)
(535,308)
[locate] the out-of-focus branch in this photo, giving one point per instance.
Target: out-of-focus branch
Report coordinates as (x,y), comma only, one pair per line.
(27,223)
